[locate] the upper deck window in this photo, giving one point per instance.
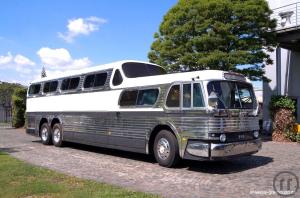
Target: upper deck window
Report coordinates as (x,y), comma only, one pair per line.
(34,89)
(95,80)
(70,83)
(134,70)
(50,86)
(117,80)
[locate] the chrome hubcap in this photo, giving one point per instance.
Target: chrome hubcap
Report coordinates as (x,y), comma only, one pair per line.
(44,134)
(56,135)
(163,148)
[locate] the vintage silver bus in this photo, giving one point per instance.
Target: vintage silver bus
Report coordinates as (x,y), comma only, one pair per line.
(135,106)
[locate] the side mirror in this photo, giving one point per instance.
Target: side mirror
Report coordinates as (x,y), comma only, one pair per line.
(213,99)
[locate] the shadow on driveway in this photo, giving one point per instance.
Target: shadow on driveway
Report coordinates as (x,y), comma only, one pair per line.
(214,167)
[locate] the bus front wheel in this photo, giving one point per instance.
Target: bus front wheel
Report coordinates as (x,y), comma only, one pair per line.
(45,134)
(166,149)
(57,135)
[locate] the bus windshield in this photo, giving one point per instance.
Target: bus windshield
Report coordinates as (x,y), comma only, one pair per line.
(232,95)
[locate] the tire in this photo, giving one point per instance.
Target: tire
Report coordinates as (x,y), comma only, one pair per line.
(45,134)
(57,135)
(166,150)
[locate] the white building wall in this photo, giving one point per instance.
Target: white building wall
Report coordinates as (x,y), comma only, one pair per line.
(278,3)
(284,73)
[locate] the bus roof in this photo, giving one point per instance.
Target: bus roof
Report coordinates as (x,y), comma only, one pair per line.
(152,80)
(113,65)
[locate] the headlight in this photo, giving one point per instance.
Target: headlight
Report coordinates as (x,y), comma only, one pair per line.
(256,134)
(222,137)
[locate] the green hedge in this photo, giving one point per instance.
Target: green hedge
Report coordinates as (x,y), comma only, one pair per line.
(19,107)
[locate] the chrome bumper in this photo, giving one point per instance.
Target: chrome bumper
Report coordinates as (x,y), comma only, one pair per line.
(210,150)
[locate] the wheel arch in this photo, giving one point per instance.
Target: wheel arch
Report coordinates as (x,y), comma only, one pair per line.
(159,127)
(55,120)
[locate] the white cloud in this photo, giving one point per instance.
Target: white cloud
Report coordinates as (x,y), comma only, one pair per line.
(5,59)
(22,60)
(18,63)
(81,26)
(60,59)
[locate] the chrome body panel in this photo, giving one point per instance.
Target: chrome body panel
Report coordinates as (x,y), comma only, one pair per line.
(133,129)
(223,150)
(236,148)
(198,149)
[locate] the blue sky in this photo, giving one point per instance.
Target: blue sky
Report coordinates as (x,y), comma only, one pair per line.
(74,34)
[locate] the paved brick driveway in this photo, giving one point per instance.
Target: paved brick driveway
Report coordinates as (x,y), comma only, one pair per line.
(244,177)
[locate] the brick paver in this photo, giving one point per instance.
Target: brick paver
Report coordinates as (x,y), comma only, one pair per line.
(243,177)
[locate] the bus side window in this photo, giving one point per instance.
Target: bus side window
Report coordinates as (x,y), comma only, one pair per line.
(50,86)
(34,89)
(173,99)
(197,96)
(89,81)
(147,97)
(128,98)
(186,96)
(117,80)
(100,79)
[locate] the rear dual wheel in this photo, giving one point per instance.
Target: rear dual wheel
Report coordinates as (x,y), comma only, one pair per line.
(46,134)
(51,136)
(57,135)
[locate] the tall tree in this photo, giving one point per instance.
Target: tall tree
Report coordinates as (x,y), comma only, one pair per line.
(43,73)
(216,34)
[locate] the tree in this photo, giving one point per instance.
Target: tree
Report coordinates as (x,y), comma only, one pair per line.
(43,73)
(6,92)
(216,34)
(19,107)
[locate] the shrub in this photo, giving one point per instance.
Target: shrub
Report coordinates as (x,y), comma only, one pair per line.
(298,137)
(281,102)
(282,110)
(19,107)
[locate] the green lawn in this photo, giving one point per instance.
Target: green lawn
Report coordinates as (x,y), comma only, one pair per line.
(18,179)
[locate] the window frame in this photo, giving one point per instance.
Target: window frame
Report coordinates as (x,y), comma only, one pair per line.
(113,75)
(32,95)
(138,90)
(50,92)
(69,90)
(97,87)
(180,108)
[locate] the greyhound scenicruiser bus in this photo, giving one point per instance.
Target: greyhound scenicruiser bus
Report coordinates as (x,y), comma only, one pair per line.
(135,106)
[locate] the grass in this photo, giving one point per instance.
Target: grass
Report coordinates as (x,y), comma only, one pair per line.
(19,179)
